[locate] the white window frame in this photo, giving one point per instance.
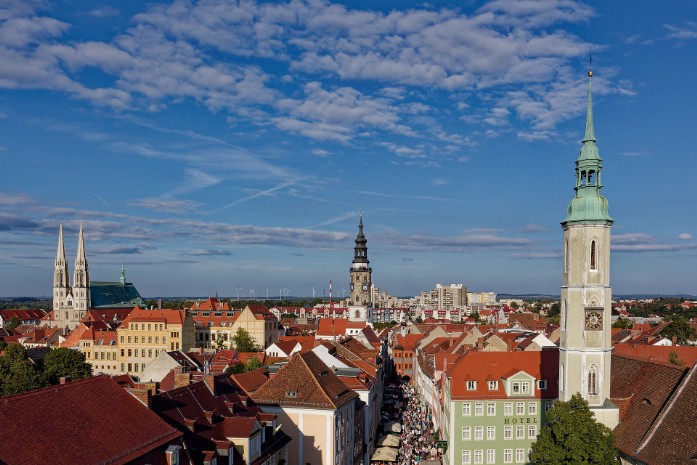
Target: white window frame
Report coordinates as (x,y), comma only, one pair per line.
(520,456)
(478,433)
(515,387)
(525,387)
(520,408)
(491,456)
(541,384)
(479,456)
(508,456)
(479,409)
(471,385)
(466,457)
(466,409)
(520,431)
(532,408)
(508,409)
(491,409)
(466,433)
(493,385)
(532,431)
(491,433)
(508,432)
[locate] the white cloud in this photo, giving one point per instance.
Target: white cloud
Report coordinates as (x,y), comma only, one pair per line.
(685,237)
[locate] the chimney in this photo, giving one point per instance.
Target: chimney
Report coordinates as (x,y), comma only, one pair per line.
(208,414)
(191,424)
(209,379)
(181,379)
(64,379)
(159,304)
(143,395)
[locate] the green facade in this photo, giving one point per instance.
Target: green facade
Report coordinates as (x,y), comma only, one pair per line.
(494,430)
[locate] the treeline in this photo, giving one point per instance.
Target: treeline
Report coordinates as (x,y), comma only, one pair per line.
(234,303)
(19,374)
(666,307)
(25,303)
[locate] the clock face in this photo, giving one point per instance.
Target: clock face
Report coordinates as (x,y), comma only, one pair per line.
(365,287)
(594,320)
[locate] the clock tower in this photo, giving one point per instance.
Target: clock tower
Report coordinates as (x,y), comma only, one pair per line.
(360,273)
(585,346)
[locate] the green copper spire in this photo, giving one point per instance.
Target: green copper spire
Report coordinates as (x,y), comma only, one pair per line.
(588,206)
(123,275)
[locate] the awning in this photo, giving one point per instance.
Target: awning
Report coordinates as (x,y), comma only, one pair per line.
(392,427)
(385,454)
(389,440)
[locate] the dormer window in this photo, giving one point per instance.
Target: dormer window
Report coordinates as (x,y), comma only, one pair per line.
(493,385)
(515,387)
(291,394)
(541,384)
(525,387)
(471,385)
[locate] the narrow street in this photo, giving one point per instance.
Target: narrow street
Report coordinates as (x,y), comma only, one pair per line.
(418,442)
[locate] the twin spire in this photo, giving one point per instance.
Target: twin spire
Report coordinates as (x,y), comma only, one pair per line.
(81,274)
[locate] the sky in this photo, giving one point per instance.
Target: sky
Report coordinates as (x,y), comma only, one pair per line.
(223,147)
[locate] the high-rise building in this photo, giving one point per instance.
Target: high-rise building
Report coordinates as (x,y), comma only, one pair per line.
(586,295)
(360,277)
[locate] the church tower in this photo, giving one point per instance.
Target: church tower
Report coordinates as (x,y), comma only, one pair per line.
(61,278)
(360,278)
(81,280)
(586,296)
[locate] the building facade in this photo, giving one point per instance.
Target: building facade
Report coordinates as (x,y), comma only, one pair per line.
(70,303)
(586,295)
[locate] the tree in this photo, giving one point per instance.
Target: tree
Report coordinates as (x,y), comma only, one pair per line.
(220,340)
(514,305)
(475,315)
(65,362)
(572,436)
(252,364)
(554,310)
(680,330)
(16,374)
(235,369)
(674,358)
(244,342)
(13,323)
(623,323)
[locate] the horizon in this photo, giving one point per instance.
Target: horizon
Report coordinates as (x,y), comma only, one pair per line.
(230,145)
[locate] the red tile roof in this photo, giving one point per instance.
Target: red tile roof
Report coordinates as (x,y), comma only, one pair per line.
(91,420)
(305,382)
(486,366)
(251,380)
(168,316)
(686,354)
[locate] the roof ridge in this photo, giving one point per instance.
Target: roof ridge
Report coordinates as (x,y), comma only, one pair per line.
(43,390)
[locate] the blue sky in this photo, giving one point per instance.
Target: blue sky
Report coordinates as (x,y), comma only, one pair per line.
(216,144)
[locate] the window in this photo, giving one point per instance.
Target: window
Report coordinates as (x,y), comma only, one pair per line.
(594,264)
(466,409)
(525,387)
(157,339)
(520,456)
(520,408)
(291,394)
(149,353)
(135,326)
(129,354)
(493,385)
(532,408)
(548,405)
(466,433)
(129,339)
(137,352)
(508,432)
(136,339)
(520,432)
(135,365)
(515,387)
(149,339)
(478,409)
(123,367)
(508,408)
(491,456)
(491,433)
(478,433)
(491,409)
(122,352)
(121,339)
(508,456)
(478,456)
(541,384)
(149,326)
(471,385)
(532,431)
(466,457)
(593,380)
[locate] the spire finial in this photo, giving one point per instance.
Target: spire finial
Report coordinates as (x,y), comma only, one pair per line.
(590,63)
(590,132)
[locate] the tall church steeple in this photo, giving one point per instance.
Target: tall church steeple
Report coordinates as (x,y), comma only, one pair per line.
(585,345)
(360,275)
(81,276)
(61,278)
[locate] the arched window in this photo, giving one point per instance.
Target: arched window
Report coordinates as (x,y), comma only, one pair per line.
(583,178)
(566,256)
(594,261)
(591,175)
(593,380)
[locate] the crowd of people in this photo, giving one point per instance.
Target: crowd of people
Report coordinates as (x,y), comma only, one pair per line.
(417,430)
